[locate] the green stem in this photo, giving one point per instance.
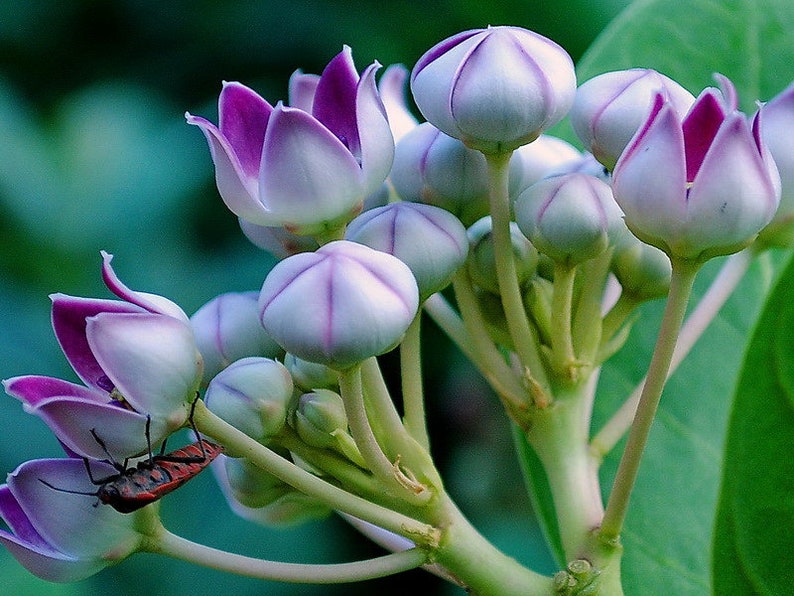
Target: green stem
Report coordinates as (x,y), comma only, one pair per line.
(616,317)
(729,276)
(479,566)
(389,473)
(489,361)
(166,543)
(414,417)
(517,321)
(238,444)
(561,309)
(683,277)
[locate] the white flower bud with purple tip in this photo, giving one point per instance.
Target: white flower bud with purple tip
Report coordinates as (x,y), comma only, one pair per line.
(568,218)
(495,89)
(777,131)
(481,263)
(431,241)
(252,395)
(609,108)
(308,171)
(339,305)
(227,328)
(698,187)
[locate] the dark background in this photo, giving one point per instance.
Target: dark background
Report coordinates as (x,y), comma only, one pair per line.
(95,154)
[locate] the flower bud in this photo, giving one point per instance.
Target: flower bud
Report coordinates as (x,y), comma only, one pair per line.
(777,131)
(318,416)
(495,89)
(610,107)
(311,375)
(431,241)
(227,328)
(392,87)
(252,395)
(568,218)
(541,158)
(276,240)
(697,188)
(339,305)
(643,270)
(435,169)
(251,486)
(481,263)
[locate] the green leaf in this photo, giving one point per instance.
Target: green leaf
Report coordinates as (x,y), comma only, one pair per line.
(669,527)
(754,536)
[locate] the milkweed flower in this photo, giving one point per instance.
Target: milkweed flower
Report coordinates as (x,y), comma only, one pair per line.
(140,365)
(58,536)
(307,168)
(339,305)
(495,89)
(700,186)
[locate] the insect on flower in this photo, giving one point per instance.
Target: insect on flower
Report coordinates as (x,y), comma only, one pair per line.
(153,478)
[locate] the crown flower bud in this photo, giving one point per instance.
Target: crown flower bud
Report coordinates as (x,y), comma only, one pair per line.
(307,168)
(311,375)
(610,107)
(568,218)
(436,169)
(699,187)
(279,242)
(495,89)
(339,305)
(543,157)
(252,395)
(227,328)
(777,131)
(431,241)
(392,87)
(643,270)
(319,416)
(481,263)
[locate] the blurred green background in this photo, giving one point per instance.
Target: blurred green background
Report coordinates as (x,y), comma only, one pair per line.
(95,154)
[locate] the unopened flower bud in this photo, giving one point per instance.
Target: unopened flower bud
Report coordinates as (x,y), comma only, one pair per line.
(339,305)
(495,89)
(481,263)
(777,131)
(643,270)
(609,108)
(568,218)
(541,158)
(227,328)
(311,375)
(252,395)
(431,241)
(276,240)
(251,486)
(318,415)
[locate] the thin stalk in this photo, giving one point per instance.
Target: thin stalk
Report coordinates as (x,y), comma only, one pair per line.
(389,473)
(238,444)
(729,276)
(167,543)
(489,361)
(451,324)
(517,321)
(683,277)
(414,417)
(561,317)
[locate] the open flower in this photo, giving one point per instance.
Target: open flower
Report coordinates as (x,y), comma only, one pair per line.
(58,536)
(698,187)
(140,365)
(305,170)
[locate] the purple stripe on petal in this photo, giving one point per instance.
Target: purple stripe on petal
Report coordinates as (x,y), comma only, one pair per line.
(700,126)
(243,117)
(335,99)
(442,48)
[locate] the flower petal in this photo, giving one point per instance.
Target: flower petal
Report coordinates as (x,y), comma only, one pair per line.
(151,359)
(70,522)
(151,302)
(302,88)
(236,189)
(36,554)
(376,140)
(700,126)
(308,176)
(335,100)
(243,117)
(69,315)
(122,431)
(392,93)
(33,389)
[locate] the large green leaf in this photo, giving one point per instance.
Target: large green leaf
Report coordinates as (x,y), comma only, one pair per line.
(668,530)
(754,537)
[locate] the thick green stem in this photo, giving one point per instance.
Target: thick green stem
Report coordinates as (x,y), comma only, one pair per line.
(517,321)
(479,566)
(166,543)
(680,289)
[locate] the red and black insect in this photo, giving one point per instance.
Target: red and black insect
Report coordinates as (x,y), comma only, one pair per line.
(152,479)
